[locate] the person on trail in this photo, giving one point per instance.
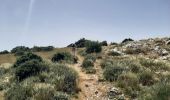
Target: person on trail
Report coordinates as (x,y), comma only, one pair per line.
(74,50)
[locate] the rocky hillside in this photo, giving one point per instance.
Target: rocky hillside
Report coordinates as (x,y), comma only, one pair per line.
(131,70)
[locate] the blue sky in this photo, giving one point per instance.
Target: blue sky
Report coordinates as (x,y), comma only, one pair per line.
(60,22)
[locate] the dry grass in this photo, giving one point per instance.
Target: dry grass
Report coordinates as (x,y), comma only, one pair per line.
(7,58)
(48,55)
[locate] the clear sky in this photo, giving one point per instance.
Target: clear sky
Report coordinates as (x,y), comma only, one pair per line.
(61,22)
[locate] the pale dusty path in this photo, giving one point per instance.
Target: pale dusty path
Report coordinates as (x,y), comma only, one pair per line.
(91,89)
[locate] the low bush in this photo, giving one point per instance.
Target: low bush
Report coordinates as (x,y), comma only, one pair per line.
(104,43)
(27,57)
(4,52)
(160,91)
(93,47)
(135,67)
(64,57)
(113,53)
(29,68)
(146,78)
(79,44)
(63,77)
(20,53)
(154,65)
(19,92)
(38,49)
(127,40)
(20,48)
(130,83)
(111,73)
(49,94)
(90,57)
(87,63)
(90,70)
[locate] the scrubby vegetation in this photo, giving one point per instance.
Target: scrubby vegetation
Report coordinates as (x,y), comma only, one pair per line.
(64,57)
(4,52)
(93,47)
(27,57)
(20,49)
(118,71)
(38,49)
(29,68)
(30,71)
(127,40)
(88,63)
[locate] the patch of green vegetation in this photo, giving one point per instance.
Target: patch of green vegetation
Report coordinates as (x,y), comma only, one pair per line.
(130,83)
(154,65)
(64,57)
(93,47)
(27,57)
(4,52)
(113,53)
(29,68)
(20,49)
(38,49)
(146,78)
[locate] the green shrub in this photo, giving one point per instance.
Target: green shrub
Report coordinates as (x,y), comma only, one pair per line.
(113,53)
(18,92)
(154,65)
(79,44)
(104,43)
(60,96)
(27,57)
(135,67)
(90,70)
(88,63)
(49,94)
(146,78)
(129,82)
(20,53)
(29,68)
(127,40)
(20,48)
(64,78)
(111,73)
(93,47)
(64,57)
(160,91)
(4,52)
(38,49)
(90,57)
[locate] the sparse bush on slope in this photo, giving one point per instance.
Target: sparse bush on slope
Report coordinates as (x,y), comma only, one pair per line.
(127,40)
(29,68)
(64,78)
(4,52)
(27,57)
(146,78)
(38,49)
(104,43)
(130,83)
(20,48)
(19,92)
(64,57)
(88,64)
(79,44)
(93,47)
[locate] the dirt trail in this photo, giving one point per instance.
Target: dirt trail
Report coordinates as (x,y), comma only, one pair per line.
(91,89)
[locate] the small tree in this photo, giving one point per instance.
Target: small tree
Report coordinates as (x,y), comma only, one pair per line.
(19,49)
(104,43)
(93,47)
